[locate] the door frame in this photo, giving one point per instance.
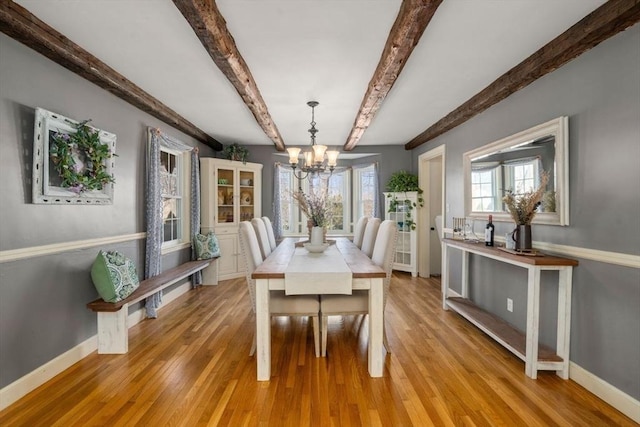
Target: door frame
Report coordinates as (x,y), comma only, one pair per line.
(424,219)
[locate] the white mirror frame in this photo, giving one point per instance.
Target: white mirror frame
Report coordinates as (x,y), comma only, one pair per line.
(45,193)
(559,128)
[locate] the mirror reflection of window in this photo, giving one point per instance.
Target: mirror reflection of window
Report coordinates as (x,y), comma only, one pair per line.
(521,159)
(522,176)
(485,187)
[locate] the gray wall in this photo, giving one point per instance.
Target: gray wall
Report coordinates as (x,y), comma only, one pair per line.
(43,299)
(600,92)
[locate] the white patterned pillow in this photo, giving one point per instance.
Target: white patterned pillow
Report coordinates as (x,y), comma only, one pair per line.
(206,246)
(114,276)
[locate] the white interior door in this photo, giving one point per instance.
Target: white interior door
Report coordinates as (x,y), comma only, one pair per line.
(431,175)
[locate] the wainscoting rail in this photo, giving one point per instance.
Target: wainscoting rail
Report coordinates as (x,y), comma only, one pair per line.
(56,248)
(617,258)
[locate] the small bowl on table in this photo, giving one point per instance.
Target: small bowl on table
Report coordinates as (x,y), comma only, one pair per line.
(316,249)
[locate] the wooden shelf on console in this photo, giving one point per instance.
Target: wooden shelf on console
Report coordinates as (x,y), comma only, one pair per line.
(507,335)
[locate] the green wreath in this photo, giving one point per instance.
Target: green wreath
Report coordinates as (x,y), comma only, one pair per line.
(85,143)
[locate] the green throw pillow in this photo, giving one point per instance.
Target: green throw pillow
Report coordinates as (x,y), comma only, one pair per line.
(206,246)
(114,276)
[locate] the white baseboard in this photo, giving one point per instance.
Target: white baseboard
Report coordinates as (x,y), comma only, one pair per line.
(34,379)
(44,373)
(605,391)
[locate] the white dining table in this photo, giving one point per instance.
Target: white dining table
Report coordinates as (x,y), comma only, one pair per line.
(365,275)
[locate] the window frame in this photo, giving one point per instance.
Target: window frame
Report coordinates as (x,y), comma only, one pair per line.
(357,199)
(495,188)
(183,164)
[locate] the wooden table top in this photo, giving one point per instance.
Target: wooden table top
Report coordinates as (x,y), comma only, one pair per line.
(543,260)
(275,265)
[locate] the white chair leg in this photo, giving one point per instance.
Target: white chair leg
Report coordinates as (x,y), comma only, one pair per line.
(316,334)
(324,335)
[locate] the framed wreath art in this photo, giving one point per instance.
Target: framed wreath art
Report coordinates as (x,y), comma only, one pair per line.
(72,162)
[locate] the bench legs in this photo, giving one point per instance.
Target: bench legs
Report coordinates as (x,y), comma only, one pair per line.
(113,331)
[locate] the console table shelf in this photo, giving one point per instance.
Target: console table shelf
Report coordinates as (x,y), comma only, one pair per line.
(511,338)
(524,345)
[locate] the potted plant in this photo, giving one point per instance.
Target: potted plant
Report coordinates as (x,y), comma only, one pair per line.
(402,182)
(235,152)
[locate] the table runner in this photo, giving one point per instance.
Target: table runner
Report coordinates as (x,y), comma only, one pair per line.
(317,273)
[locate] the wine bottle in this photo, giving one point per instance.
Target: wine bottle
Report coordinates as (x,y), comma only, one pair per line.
(488,232)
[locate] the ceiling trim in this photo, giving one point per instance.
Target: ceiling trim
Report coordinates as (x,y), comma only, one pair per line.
(21,25)
(211,28)
(608,20)
(412,20)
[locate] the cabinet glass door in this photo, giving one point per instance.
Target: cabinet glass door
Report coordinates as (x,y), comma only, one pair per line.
(225,197)
(403,246)
(247,194)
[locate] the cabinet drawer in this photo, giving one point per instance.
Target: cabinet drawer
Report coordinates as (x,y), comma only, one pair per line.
(223,231)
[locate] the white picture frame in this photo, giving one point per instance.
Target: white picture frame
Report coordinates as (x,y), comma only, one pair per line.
(46,188)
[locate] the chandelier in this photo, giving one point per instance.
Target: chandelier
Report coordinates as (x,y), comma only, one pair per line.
(318,159)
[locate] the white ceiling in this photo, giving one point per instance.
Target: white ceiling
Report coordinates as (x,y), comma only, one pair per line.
(323,50)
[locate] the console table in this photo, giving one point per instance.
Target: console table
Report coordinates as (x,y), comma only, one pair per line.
(524,345)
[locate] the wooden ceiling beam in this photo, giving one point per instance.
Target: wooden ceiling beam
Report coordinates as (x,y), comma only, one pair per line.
(21,25)
(608,20)
(412,20)
(211,28)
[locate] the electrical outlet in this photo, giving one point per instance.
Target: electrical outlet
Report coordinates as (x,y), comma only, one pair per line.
(510,305)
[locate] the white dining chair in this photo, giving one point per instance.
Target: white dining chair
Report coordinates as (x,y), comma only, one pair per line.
(369,238)
(358,231)
(263,237)
(272,237)
(358,301)
(279,303)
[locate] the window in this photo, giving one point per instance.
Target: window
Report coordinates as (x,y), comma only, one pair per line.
(522,177)
(288,212)
(338,194)
(484,190)
(294,222)
(364,192)
(175,196)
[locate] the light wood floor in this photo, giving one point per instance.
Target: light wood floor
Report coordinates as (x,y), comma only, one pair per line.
(191,367)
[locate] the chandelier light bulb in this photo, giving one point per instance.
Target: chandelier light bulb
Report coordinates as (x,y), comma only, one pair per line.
(293,155)
(318,153)
(332,158)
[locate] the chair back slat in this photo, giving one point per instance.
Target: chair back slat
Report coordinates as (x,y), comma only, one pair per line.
(272,237)
(263,237)
(370,233)
(358,231)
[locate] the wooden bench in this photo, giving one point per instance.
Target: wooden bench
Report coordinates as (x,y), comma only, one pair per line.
(113,328)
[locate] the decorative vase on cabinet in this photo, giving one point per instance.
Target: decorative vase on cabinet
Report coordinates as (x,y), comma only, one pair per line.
(231,192)
(402,208)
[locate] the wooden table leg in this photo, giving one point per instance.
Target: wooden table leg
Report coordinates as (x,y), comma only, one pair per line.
(376,325)
(464,289)
(445,275)
(263,330)
(533,322)
(564,319)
